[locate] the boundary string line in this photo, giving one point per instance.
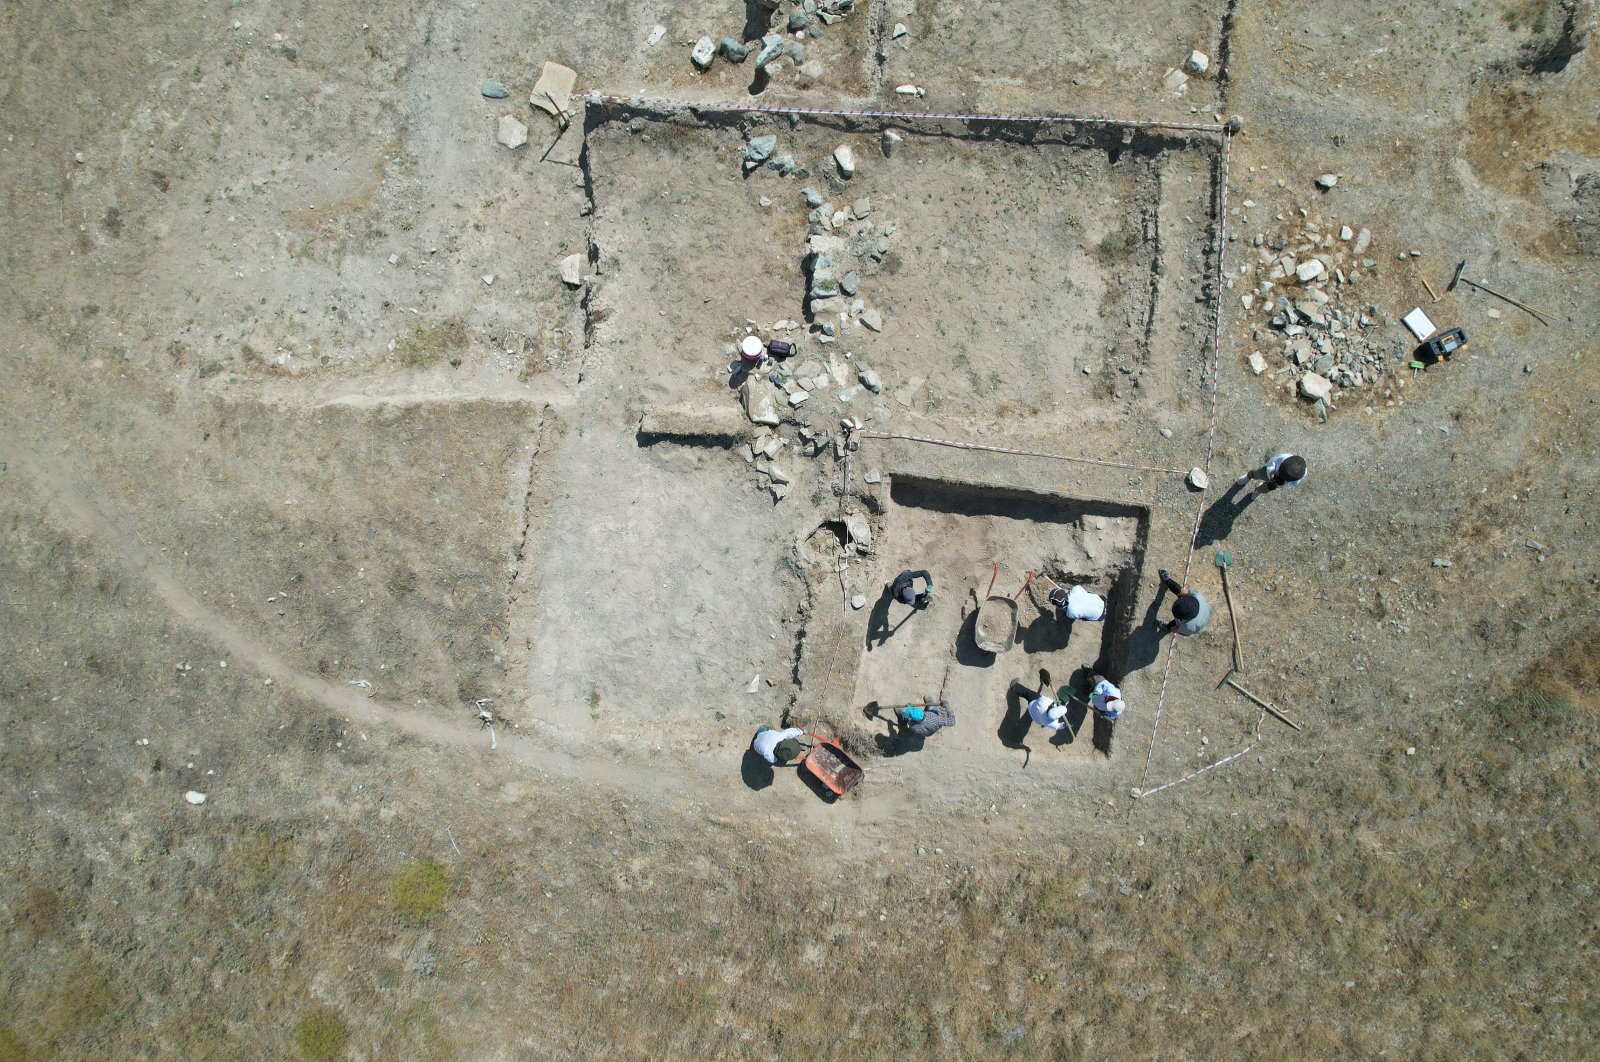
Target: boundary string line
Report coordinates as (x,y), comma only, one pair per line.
(773,108)
(870,434)
(1216,334)
(1211,446)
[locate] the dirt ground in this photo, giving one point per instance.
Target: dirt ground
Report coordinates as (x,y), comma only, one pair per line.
(312,458)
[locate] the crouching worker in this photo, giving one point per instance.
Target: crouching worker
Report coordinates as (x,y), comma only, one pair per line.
(1078,604)
(925,720)
(780,747)
(904,589)
(1106,700)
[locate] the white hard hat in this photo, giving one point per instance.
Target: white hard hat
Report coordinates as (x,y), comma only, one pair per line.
(751,347)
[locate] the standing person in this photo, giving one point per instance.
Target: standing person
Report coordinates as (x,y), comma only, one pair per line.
(1044,709)
(904,588)
(779,747)
(925,720)
(1106,700)
(1190,611)
(1281,470)
(1078,604)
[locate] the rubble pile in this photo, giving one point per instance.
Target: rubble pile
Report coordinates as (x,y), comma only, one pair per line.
(1305,284)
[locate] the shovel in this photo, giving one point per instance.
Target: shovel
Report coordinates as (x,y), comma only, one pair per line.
(1223,559)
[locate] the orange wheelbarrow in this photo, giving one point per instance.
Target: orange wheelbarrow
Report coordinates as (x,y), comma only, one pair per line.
(832,766)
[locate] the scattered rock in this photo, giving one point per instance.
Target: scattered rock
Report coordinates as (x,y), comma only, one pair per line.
(1308,271)
(809,74)
(758,403)
(747,452)
(572,270)
(778,475)
(799,397)
(1316,387)
(799,19)
(783,164)
(796,53)
(1197,63)
(771,48)
(1175,80)
(195,797)
(870,379)
(779,490)
(764,201)
(852,283)
(1345,233)
(873,320)
(890,141)
(656,35)
(859,601)
(512,133)
(1327,181)
(1198,479)
(1362,239)
(858,529)
(1440,562)
(1258,364)
(705,50)
(553,91)
(733,51)
(812,196)
(760,148)
(873,476)
(849,394)
(494,90)
(846,160)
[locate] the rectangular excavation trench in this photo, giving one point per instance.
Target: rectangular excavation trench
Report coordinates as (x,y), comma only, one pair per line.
(1017,267)
(957,530)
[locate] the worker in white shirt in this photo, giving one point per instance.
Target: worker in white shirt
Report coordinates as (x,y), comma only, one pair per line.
(1045,709)
(1078,604)
(779,747)
(1106,700)
(1281,470)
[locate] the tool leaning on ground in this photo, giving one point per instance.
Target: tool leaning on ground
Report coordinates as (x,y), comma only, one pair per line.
(1223,558)
(1542,317)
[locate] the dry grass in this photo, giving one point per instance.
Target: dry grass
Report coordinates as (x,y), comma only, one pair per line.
(1424,904)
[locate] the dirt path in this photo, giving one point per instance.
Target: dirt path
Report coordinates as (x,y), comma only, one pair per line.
(659,776)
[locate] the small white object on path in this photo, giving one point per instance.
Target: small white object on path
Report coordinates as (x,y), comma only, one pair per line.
(1198,479)
(195,797)
(755,684)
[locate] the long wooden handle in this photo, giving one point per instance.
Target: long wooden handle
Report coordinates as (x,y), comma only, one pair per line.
(1233,618)
(1269,707)
(992,578)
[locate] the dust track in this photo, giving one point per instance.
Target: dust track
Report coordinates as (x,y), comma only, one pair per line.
(88,515)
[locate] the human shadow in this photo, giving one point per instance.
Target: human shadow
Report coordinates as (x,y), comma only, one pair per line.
(1144,641)
(1103,729)
(878,623)
(1015,724)
(815,784)
(756,772)
(1216,524)
(1046,633)
(967,652)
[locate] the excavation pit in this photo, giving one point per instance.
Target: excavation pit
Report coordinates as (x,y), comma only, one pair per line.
(957,531)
